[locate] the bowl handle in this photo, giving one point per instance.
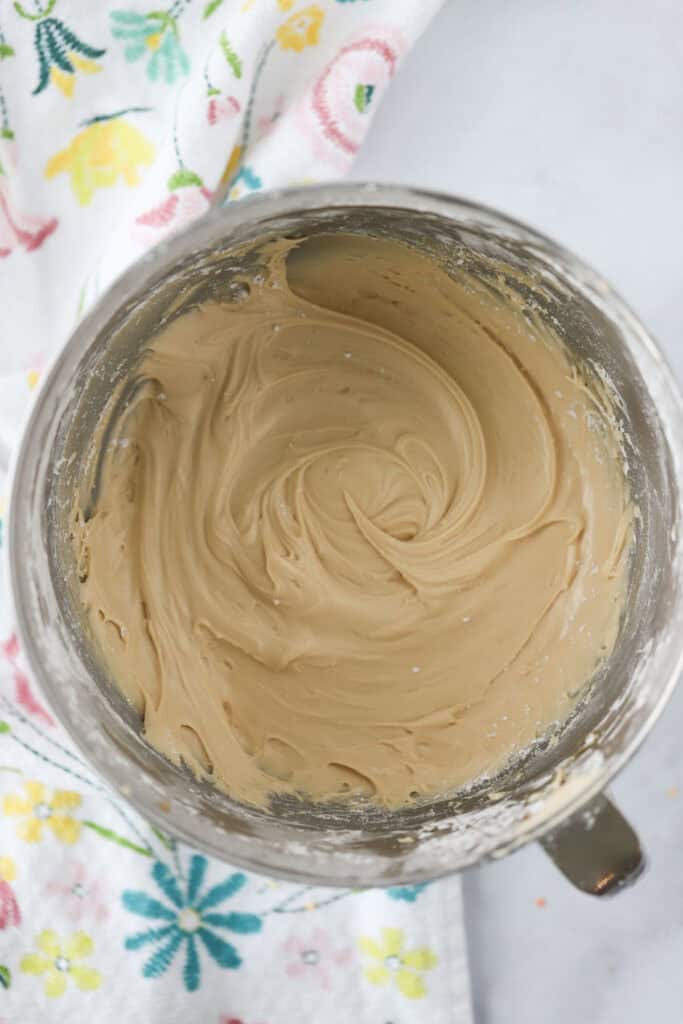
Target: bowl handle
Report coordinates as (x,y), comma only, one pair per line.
(596,849)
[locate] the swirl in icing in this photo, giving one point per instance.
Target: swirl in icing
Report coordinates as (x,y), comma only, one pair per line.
(363,532)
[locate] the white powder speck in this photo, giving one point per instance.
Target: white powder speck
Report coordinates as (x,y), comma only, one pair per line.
(415,668)
(276,600)
(468,618)
(558,393)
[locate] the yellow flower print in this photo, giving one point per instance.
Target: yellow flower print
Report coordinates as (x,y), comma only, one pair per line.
(390,963)
(285,5)
(39,811)
(8,869)
(58,961)
(64,81)
(302,29)
(97,156)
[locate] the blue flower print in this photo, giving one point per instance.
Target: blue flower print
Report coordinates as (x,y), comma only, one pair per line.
(249,178)
(188,919)
(409,893)
(155,35)
(246,180)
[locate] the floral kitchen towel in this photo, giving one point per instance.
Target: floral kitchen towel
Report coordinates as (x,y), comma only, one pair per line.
(119,122)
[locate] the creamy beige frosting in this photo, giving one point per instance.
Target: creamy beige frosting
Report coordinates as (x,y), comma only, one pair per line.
(362,532)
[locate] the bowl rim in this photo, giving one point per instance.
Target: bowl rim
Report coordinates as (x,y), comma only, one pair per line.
(566,801)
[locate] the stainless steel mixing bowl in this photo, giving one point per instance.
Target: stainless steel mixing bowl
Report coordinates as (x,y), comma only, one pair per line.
(553,793)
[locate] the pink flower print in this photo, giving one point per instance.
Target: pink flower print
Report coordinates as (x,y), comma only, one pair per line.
(9,908)
(225,1020)
(175,211)
(314,958)
(221,108)
(335,112)
(10,647)
(25,698)
(22,688)
(82,897)
(18,229)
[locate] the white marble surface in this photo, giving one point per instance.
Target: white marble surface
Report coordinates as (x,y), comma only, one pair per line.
(569,115)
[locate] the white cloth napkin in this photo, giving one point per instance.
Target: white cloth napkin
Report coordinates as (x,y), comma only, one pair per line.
(118,122)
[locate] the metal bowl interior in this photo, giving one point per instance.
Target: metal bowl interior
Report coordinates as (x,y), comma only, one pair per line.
(351,844)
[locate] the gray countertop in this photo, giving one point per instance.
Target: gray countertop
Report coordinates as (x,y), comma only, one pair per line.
(568,115)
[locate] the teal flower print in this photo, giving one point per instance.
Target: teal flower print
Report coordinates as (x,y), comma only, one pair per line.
(60,55)
(154,35)
(188,919)
(409,893)
(250,178)
(246,180)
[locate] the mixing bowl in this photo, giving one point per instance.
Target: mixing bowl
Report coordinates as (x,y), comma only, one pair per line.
(552,792)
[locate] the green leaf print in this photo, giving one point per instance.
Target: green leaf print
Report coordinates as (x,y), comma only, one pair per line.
(165,20)
(362,97)
(23,13)
(5,976)
(182,178)
(212,6)
(107,833)
(230,55)
(6,51)
(162,837)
